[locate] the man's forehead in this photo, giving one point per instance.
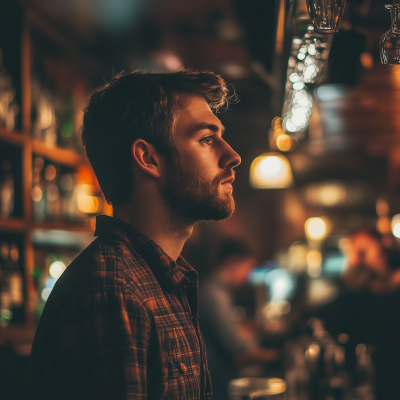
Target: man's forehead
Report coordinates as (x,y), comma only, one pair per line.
(195,110)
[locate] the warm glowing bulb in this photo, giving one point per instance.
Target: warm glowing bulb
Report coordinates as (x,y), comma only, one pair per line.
(396,230)
(56,269)
(395,225)
(284,142)
(270,165)
(316,228)
(270,170)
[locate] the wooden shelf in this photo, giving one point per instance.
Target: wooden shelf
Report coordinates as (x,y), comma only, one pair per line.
(12,225)
(52,153)
(36,33)
(57,155)
(14,138)
(61,226)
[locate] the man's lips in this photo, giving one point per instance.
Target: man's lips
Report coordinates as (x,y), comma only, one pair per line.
(228,182)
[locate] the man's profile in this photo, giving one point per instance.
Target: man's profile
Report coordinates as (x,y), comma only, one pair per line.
(122,321)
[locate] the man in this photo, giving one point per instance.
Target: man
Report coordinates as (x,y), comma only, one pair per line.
(230,344)
(122,321)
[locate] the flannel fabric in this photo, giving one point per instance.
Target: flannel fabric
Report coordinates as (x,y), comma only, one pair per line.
(121,323)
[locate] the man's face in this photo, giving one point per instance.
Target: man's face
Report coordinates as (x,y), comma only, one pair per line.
(198,183)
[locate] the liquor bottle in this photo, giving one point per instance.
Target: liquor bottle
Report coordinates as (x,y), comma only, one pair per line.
(337,380)
(8,107)
(37,193)
(298,377)
(43,115)
(364,373)
(5,299)
(52,193)
(65,112)
(16,282)
(68,207)
(6,190)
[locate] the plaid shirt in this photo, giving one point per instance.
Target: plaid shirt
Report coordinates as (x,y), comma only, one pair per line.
(121,323)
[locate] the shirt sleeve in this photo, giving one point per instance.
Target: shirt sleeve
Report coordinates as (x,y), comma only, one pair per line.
(103,350)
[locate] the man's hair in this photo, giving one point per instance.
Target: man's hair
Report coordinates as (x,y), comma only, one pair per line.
(139,105)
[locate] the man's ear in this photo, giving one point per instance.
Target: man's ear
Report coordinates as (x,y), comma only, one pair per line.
(146,157)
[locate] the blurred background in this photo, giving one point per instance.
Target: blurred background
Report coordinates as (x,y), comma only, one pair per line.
(316,228)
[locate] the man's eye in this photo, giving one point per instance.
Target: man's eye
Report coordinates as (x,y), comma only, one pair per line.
(207,140)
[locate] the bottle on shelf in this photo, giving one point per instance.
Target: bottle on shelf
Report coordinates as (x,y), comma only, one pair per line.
(6,190)
(9,109)
(298,376)
(65,110)
(52,201)
(37,193)
(16,281)
(43,115)
(54,117)
(5,297)
(364,374)
(68,200)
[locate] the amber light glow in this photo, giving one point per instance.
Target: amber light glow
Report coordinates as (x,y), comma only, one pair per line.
(395,224)
(285,142)
(316,228)
(270,171)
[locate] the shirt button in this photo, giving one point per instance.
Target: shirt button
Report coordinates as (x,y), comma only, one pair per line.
(183,367)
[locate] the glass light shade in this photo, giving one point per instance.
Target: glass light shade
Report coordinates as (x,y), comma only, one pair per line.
(389,44)
(270,171)
(326,15)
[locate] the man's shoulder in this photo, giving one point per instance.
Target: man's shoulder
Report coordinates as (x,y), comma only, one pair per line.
(108,264)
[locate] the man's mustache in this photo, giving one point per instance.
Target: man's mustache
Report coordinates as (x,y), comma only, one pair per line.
(224,176)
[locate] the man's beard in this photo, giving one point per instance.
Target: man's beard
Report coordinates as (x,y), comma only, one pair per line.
(190,196)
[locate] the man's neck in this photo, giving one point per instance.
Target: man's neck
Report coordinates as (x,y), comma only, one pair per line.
(156,223)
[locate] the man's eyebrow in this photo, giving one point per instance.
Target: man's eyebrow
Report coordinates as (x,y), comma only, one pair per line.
(211,127)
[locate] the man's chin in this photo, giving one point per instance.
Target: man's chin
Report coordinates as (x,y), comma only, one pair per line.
(220,211)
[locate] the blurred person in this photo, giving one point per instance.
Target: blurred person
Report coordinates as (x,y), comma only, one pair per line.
(370,264)
(229,344)
(122,321)
(368,308)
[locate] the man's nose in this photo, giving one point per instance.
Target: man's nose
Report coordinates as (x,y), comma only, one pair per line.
(229,158)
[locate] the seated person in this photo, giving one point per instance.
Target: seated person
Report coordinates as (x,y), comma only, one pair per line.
(229,346)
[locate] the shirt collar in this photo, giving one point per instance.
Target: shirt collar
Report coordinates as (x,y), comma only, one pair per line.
(168,272)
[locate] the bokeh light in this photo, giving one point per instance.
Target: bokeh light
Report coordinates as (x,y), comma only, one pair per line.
(314,261)
(395,225)
(284,142)
(46,293)
(36,193)
(316,228)
(56,269)
(383,225)
(270,170)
